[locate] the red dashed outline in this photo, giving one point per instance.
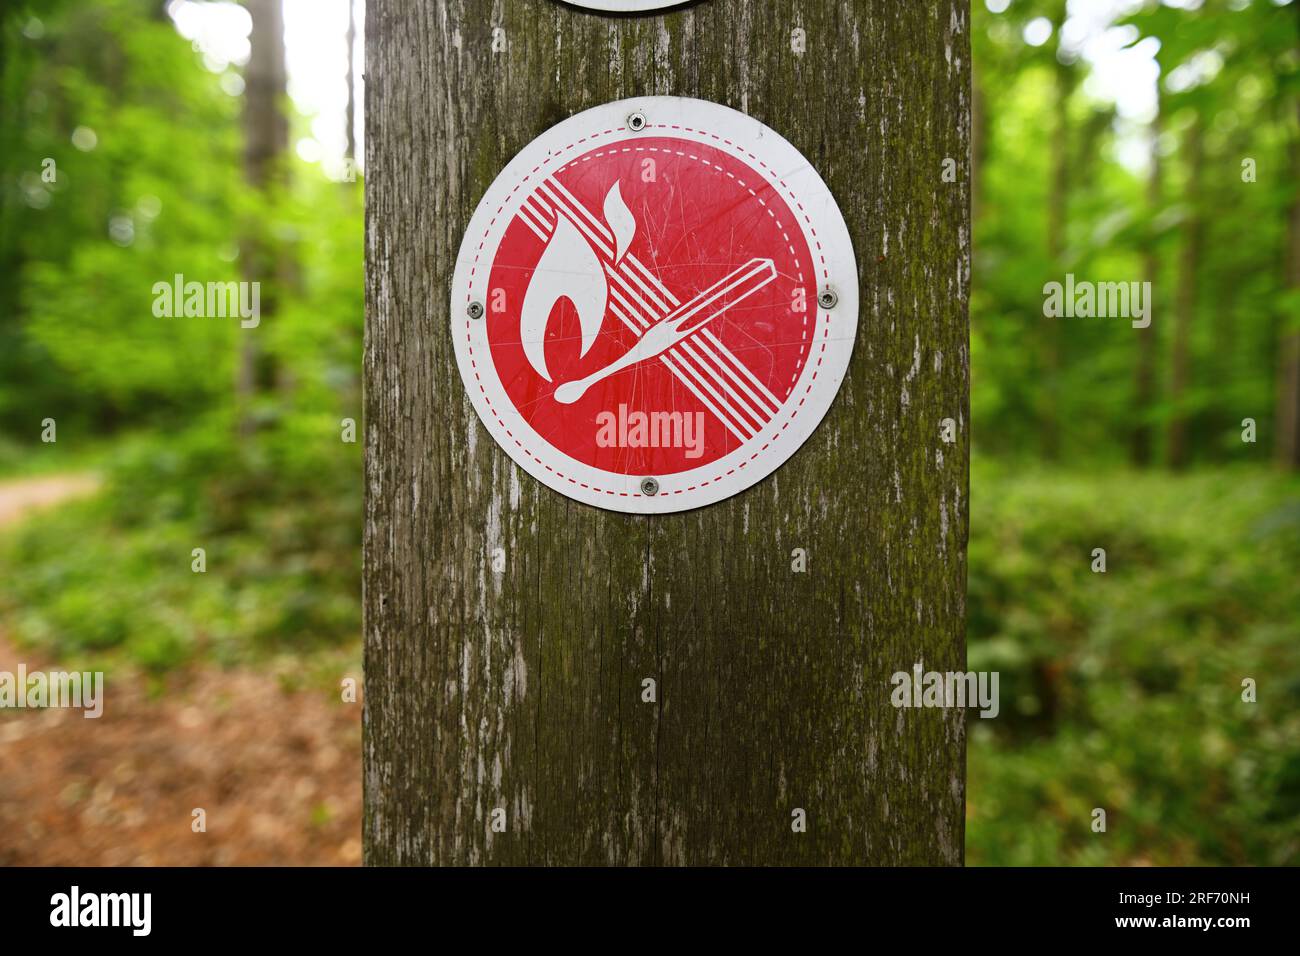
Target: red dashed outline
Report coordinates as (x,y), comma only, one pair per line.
(772,177)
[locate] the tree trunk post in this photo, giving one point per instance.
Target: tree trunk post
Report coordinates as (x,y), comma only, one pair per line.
(1185,299)
(266,139)
(1144,377)
(510,631)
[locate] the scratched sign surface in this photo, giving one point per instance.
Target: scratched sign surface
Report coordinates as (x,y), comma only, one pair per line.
(654,304)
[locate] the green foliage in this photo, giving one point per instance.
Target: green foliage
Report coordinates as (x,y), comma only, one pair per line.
(116,573)
(1066,387)
(145,149)
(1122,690)
(264,484)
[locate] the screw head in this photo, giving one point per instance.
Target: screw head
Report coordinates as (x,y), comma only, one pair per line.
(827,298)
(636,122)
(475,310)
(649,487)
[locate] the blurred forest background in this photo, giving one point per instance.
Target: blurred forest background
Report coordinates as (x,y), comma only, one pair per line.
(1115,140)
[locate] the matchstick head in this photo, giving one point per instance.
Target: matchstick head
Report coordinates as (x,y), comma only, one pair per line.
(570,392)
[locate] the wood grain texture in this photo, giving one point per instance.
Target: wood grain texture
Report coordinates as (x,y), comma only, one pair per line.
(521,689)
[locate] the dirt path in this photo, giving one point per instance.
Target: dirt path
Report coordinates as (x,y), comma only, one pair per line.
(20,497)
(277,772)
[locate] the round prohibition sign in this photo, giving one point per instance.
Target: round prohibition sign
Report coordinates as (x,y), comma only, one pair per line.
(654,304)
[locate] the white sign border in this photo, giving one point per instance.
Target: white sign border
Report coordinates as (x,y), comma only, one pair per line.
(823,228)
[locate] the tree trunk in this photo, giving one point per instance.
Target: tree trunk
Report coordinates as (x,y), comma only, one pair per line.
(1058,204)
(1144,379)
(266,137)
(1185,306)
(1288,378)
(350,115)
(522,689)
(979,128)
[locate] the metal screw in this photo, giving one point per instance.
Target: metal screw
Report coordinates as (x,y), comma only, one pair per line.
(649,487)
(636,122)
(827,299)
(475,310)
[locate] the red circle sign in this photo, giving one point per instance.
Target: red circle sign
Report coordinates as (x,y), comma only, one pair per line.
(637,313)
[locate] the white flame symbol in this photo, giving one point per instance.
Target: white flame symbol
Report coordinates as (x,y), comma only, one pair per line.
(570,269)
(620,221)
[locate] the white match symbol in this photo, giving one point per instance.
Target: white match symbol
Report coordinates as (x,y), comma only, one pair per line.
(686,319)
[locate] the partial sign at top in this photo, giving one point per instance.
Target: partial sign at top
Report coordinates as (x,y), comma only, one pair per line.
(625,6)
(654,304)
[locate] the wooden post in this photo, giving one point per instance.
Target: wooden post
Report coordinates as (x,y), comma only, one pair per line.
(509,631)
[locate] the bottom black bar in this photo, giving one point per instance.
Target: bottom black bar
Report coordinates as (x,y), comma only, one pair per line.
(331,906)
